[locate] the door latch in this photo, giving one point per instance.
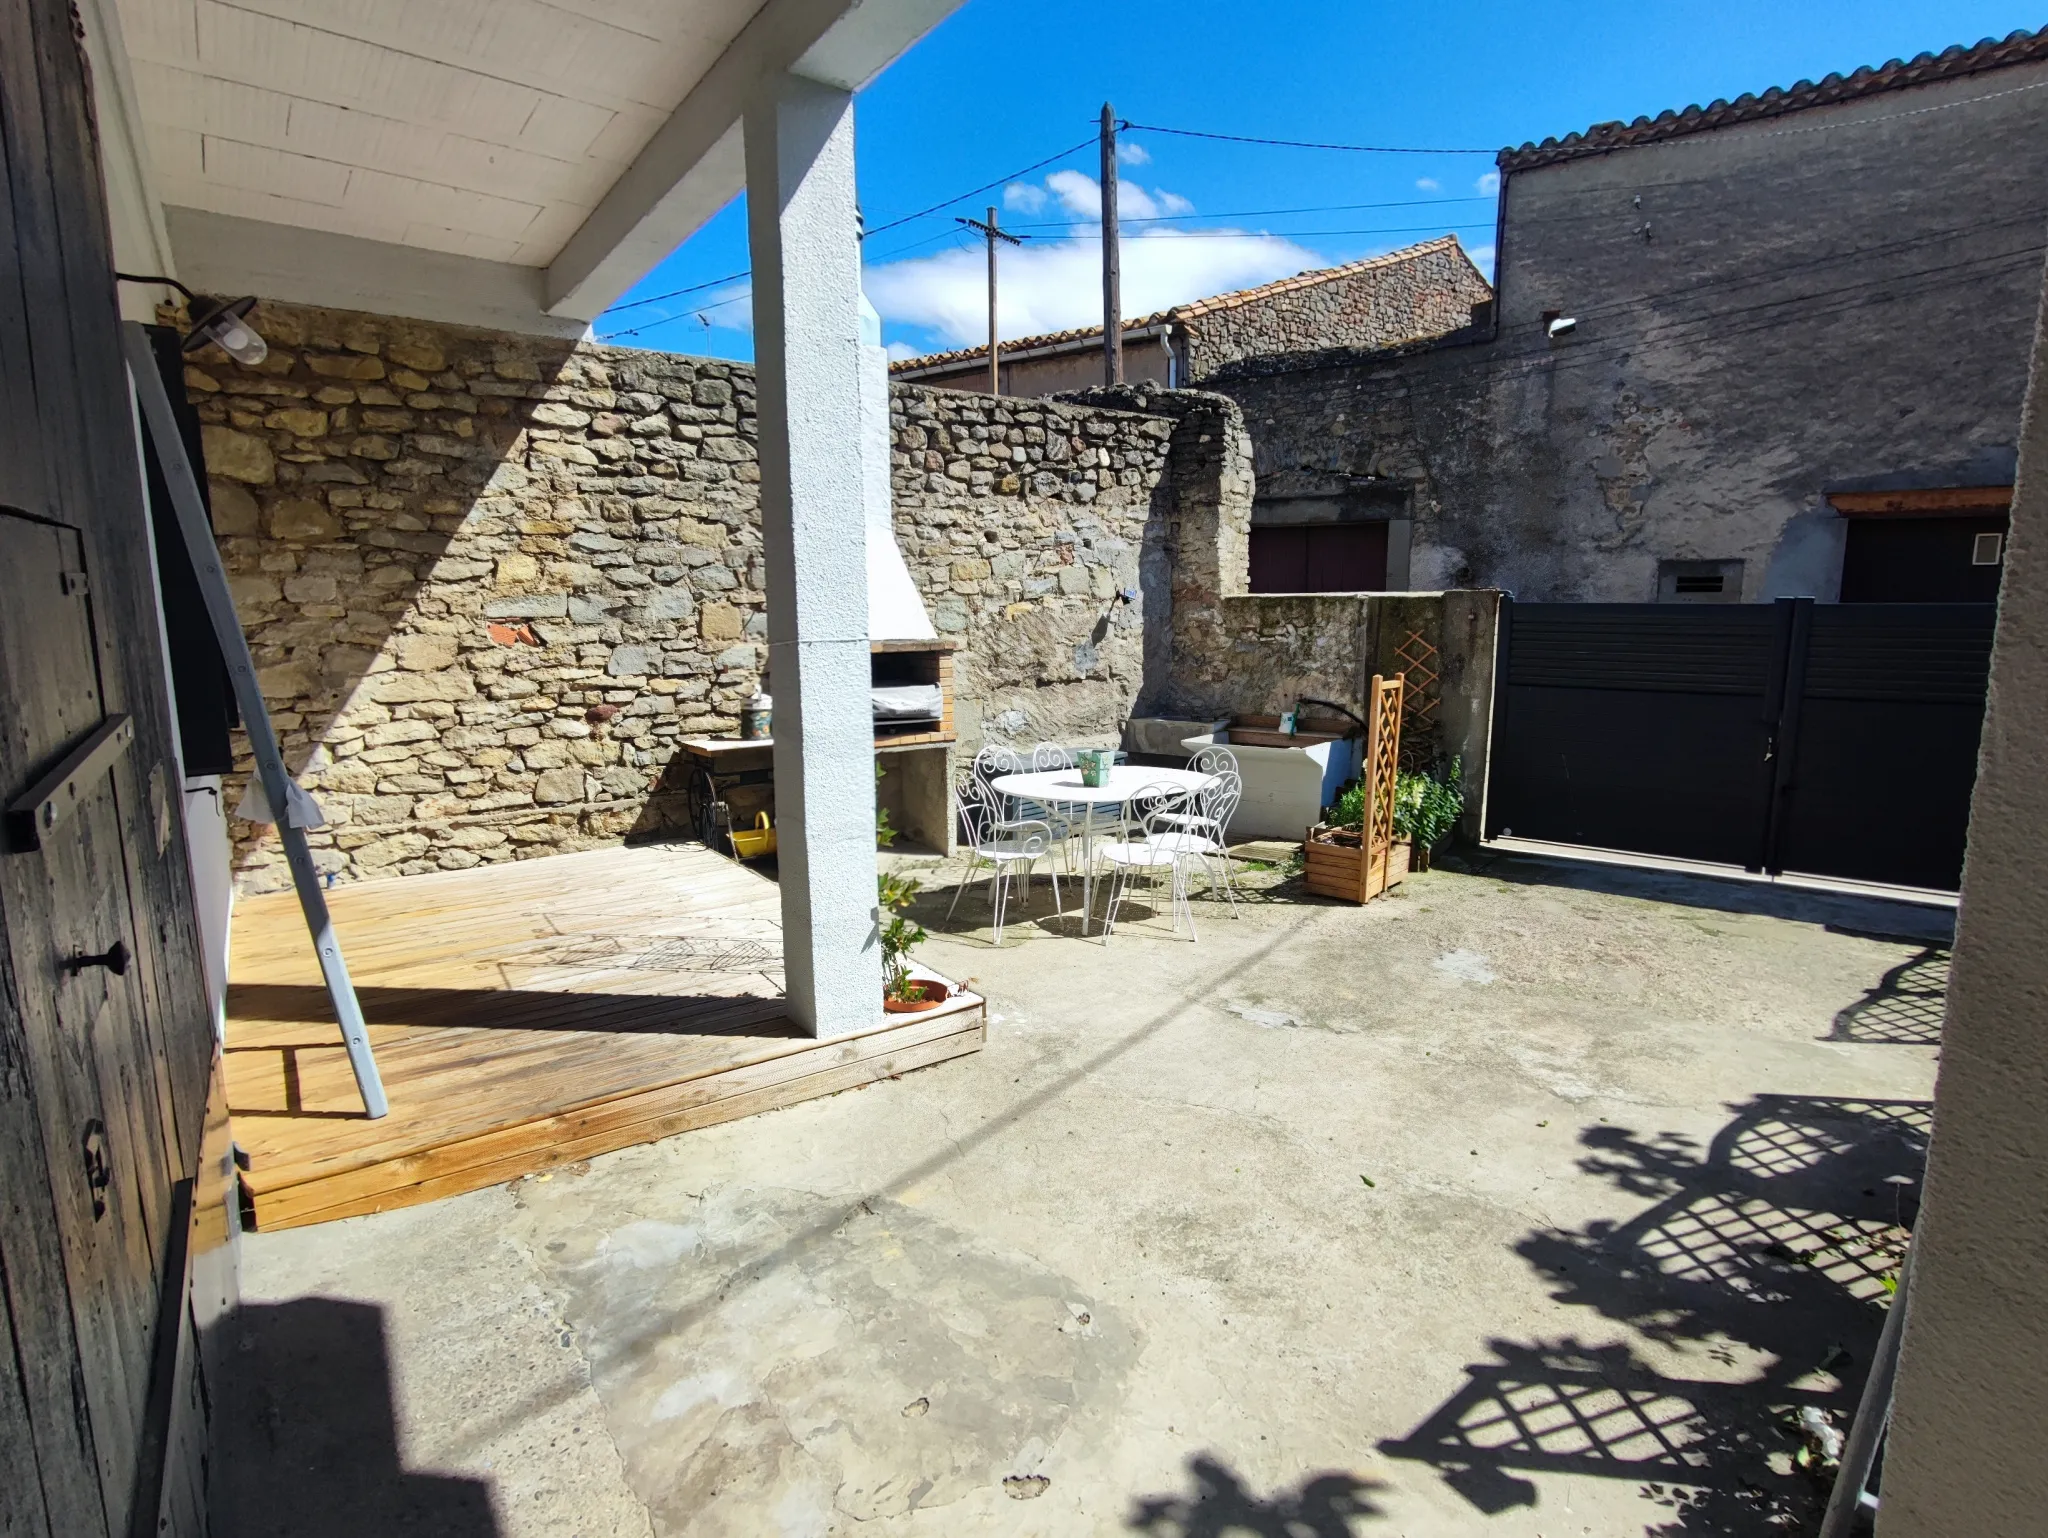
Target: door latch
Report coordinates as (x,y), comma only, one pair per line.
(114,958)
(99,1168)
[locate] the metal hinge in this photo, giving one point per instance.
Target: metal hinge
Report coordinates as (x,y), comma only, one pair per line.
(57,794)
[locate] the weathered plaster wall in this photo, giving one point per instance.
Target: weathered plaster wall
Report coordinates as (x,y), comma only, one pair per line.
(490,580)
(1972,1410)
(1763,310)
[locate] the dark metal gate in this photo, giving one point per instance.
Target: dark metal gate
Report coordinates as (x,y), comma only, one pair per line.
(1823,739)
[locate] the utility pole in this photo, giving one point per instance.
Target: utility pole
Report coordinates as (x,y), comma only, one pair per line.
(989,229)
(1112,276)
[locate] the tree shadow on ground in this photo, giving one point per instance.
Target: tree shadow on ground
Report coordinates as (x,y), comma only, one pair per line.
(1769,1254)
(1324,1505)
(1904,1009)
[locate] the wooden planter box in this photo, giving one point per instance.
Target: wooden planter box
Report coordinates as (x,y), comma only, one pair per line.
(1335,865)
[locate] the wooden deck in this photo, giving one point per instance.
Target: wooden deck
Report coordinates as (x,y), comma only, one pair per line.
(524,1016)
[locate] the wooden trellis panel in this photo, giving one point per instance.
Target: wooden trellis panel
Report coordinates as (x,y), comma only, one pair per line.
(1422,673)
(1360,872)
(1382,769)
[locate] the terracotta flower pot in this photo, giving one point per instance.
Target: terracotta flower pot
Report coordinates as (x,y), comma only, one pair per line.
(926,994)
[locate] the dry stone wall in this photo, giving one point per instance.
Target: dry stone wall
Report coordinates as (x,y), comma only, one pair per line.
(491,580)
(1424,292)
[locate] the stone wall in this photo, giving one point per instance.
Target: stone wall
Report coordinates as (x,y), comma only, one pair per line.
(1763,311)
(1226,651)
(490,580)
(1419,291)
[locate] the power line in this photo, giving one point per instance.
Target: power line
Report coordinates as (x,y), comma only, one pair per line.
(1378,229)
(1254,213)
(1036,165)
(677,293)
(1299,144)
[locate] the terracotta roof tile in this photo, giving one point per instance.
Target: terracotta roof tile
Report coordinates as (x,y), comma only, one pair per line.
(1193,308)
(1949,64)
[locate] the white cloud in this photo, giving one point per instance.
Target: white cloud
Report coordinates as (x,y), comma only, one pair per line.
(898,351)
(1081,196)
(1428,184)
(1053,285)
(1482,258)
(1133,154)
(1024,197)
(1488,184)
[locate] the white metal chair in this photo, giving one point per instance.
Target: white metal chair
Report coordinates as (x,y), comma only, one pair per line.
(1004,845)
(1158,841)
(1061,816)
(1215,803)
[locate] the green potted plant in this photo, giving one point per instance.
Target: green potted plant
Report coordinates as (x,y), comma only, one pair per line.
(1426,808)
(903,994)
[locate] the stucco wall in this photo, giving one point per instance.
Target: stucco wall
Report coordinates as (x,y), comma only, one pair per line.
(1972,1396)
(1762,310)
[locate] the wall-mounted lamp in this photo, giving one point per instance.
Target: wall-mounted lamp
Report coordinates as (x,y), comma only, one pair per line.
(223,321)
(1563,325)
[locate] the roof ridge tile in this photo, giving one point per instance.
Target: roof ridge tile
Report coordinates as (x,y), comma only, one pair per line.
(1954,61)
(1192,308)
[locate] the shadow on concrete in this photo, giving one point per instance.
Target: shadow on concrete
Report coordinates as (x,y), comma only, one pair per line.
(1904,1009)
(522,1009)
(1770,1253)
(307,1435)
(1324,1505)
(772,1259)
(1876,918)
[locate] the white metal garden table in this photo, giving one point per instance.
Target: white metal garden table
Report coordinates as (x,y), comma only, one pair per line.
(1063,787)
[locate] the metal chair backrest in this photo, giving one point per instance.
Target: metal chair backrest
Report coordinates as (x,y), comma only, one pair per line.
(1216,803)
(1214,760)
(1050,755)
(982,816)
(1160,808)
(992,762)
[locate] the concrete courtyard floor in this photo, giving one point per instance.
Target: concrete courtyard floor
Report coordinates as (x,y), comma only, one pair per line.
(1531,1199)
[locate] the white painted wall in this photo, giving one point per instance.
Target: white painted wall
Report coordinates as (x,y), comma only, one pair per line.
(141,242)
(801,224)
(1971,1414)
(896,609)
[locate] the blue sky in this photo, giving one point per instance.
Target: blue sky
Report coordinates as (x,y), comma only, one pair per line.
(1005,83)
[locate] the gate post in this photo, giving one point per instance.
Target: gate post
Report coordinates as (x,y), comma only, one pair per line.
(1782,699)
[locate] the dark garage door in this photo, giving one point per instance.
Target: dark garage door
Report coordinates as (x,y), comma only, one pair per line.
(1832,740)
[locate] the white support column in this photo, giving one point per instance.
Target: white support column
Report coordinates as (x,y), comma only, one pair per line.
(801,224)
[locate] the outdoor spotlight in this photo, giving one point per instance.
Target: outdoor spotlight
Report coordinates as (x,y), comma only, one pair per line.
(1564,325)
(223,321)
(227,322)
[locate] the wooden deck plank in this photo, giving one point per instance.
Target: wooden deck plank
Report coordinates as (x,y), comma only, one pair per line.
(527,1015)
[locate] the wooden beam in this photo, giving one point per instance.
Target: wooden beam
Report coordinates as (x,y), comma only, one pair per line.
(1934,502)
(694,165)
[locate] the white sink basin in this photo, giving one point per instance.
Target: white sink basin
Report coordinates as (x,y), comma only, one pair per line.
(1285,788)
